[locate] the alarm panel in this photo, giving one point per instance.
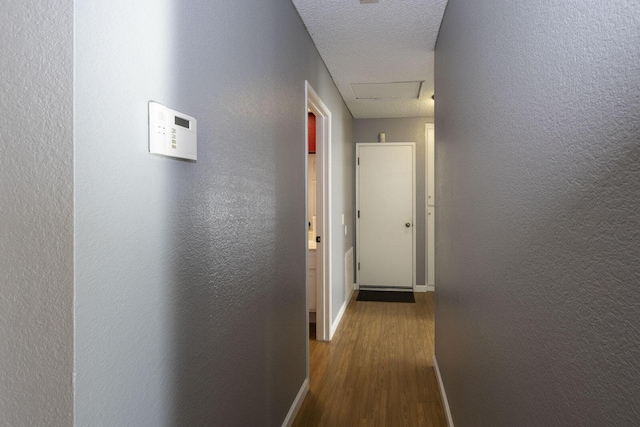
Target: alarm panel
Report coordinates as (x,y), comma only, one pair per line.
(172,133)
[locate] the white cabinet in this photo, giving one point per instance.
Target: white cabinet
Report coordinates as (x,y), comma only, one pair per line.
(311,274)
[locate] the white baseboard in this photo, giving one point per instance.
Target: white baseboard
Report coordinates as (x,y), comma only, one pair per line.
(420,288)
(431,288)
(348,273)
(334,326)
(445,402)
(297,403)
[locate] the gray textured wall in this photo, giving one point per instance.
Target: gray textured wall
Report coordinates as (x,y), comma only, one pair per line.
(403,130)
(36,213)
(538,206)
(342,184)
(190,275)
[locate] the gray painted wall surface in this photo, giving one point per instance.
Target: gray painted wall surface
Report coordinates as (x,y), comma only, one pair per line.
(538,207)
(191,275)
(36,213)
(403,130)
(342,187)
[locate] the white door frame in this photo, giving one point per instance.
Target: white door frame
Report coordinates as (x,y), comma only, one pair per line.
(429,208)
(323,212)
(413,147)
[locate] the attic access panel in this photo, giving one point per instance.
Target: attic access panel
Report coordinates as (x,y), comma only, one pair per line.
(398,90)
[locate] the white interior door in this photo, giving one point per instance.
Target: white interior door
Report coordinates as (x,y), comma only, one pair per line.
(385,215)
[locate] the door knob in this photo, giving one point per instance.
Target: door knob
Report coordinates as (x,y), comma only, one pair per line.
(408,225)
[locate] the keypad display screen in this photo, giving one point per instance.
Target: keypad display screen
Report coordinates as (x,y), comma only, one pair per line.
(182,122)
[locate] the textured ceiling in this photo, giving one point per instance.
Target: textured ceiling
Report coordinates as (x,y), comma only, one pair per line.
(386,42)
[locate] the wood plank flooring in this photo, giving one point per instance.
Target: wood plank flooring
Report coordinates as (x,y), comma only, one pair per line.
(378,370)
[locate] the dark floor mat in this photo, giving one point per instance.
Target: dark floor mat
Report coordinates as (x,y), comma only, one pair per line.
(385,296)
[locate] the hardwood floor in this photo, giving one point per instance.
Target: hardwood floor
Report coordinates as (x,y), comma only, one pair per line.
(378,370)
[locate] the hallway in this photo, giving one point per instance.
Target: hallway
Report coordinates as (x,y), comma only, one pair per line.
(378,370)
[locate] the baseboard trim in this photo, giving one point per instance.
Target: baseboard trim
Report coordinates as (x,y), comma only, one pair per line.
(445,402)
(334,326)
(420,288)
(431,288)
(297,403)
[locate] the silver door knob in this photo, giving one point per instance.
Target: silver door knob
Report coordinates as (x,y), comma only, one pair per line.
(408,225)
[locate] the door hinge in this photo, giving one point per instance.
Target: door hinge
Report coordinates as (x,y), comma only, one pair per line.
(317,239)
(358,161)
(358,214)
(358,266)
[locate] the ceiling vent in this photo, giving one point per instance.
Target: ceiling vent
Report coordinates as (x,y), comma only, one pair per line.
(399,90)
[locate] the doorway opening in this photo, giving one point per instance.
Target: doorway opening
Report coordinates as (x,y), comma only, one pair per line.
(318,226)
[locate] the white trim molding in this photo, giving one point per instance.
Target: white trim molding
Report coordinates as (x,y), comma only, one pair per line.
(429,206)
(324,224)
(420,288)
(297,403)
(443,393)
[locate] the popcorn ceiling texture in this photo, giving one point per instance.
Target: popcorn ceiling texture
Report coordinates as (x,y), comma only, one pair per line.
(390,41)
(36,213)
(538,206)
